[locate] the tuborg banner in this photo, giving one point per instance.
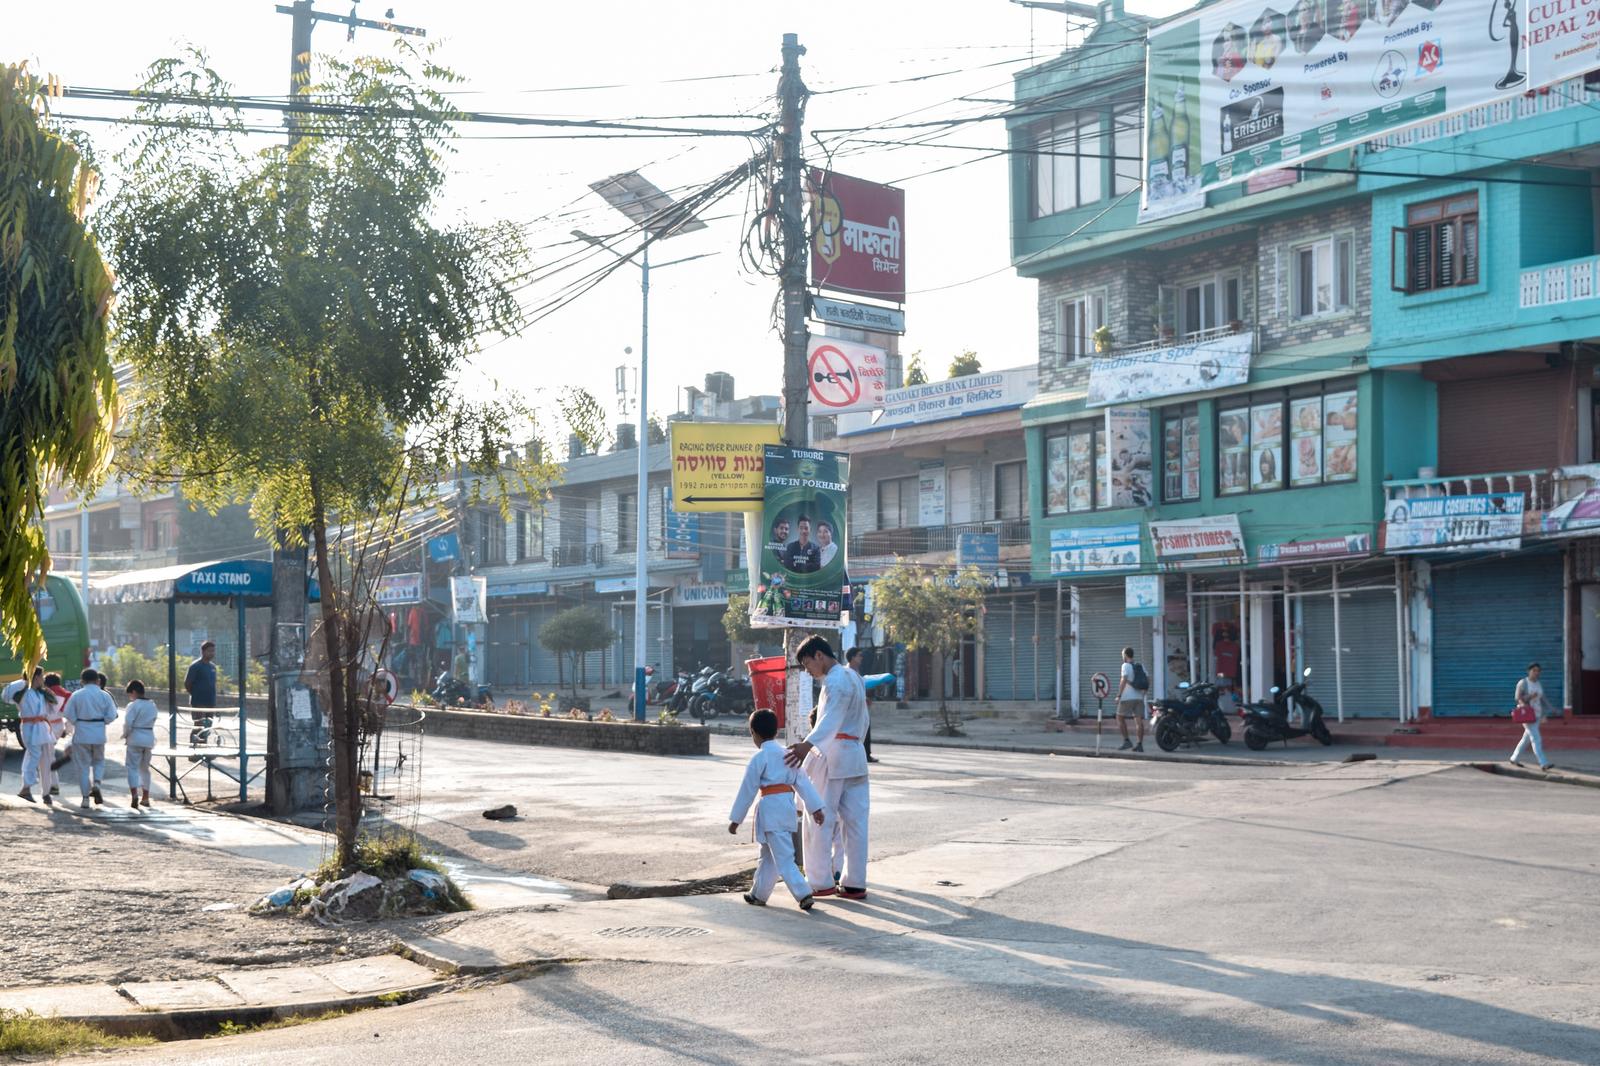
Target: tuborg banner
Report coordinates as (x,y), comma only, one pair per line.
(1247,85)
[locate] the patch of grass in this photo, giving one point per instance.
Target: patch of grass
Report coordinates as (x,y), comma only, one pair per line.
(391,855)
(235,1029)
(27,1033)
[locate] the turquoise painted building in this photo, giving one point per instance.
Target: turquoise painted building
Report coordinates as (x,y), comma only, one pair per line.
(1236,400)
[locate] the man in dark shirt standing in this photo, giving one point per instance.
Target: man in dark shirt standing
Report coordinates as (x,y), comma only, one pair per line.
(804,555)
(201,685)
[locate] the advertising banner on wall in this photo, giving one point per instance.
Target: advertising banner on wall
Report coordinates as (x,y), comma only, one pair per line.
(469,596)
(845,376)
(395,589)
(1094,550)
(930,494)
(1141,595)
(1131,463)
(1490,521)
(1197,543)
(1218,363)
(683,532)
(1244,86)
(858,242)
(802,550)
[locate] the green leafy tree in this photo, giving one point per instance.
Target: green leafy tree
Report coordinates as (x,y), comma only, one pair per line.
(58,397)
(933,611)
(965,365)
(298,317)
(736,621)
(916,373)
(574,633)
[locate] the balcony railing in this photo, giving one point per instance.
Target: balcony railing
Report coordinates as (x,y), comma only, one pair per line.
(1156,344)
(565,555)
(916,540)
(1539,488)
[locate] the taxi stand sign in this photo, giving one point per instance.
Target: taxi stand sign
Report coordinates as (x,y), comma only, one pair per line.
(720,466)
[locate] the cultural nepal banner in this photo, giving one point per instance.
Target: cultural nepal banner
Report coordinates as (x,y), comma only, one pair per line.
(1245,86)
(803,537)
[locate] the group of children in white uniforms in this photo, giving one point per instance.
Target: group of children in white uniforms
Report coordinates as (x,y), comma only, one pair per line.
(46,714)
(828,771)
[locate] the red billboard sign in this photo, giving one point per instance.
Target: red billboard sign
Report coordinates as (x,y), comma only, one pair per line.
(858,244)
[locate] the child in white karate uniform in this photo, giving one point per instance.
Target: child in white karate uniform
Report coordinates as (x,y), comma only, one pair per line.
(776,785)
(139,730)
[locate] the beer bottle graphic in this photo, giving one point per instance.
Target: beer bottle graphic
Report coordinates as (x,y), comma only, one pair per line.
(1160,143)
(1180,137)
(1227,133)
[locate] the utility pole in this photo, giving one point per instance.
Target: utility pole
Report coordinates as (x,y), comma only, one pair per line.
(295,766)
(796,391)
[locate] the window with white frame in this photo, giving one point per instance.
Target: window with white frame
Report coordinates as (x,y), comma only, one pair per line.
(1011,490)
(1077,317)
(1322,277)
(530,535)
(1203,305)
(1127,127)
(1068,161)
(897,503)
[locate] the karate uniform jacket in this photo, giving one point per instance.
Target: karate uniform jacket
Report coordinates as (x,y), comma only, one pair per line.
(90,710)
(139,724)
(842,722)
(32,711)
(775,813)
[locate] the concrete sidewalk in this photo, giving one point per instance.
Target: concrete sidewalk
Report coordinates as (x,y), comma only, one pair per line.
(175,1009)
(1035,737)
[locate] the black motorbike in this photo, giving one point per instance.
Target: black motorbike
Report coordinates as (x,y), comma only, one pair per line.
(1292,713)
(451,691)
(1190,718)
(690,685)
(723,694)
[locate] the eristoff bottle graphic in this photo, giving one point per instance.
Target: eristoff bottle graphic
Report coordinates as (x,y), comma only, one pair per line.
(1227,133)
(1160,144)
(1180,138)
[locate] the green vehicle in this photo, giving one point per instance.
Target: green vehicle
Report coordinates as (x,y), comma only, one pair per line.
(66,632)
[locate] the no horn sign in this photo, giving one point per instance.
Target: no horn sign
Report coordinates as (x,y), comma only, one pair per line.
(846,376)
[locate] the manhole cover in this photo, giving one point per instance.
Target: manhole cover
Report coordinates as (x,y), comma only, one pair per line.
(656,931)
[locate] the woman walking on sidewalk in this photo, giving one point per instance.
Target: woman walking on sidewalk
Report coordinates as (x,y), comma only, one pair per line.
(1531,708)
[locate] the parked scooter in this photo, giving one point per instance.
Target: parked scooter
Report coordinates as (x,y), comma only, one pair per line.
(450,691)
(1292,713)
(1189,718)
(723,694)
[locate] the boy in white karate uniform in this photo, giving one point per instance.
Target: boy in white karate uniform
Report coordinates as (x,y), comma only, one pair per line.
(33,700)
(139,730)
(777,785)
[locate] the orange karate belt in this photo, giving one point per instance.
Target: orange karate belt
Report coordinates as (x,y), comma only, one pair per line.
(773,790)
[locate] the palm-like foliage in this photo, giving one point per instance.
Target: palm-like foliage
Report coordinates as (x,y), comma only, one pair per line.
(58,397)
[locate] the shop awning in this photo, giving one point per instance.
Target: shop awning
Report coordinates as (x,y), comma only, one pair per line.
(219,581)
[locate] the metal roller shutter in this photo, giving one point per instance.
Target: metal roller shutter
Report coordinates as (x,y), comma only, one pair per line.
(1490,620)
(508,648)
(542,668)
(1104,629)
(1371,680)
(1016,666)
(653,645)
(999,658)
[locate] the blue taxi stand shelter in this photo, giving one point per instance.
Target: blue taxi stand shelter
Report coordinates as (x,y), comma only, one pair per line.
(243,583)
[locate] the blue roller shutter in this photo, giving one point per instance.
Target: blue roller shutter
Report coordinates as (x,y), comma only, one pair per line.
(1490,620)
(1104,629)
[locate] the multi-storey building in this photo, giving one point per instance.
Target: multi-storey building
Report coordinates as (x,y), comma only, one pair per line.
(1341,417)
(1209,445)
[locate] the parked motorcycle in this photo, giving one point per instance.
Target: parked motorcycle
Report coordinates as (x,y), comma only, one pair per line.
(1292,713)
(657,691)
(1190,718)
(449,690)
(690,687)
(722,694)
(678,702)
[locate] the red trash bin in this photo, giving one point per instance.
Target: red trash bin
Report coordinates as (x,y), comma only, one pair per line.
(767,684)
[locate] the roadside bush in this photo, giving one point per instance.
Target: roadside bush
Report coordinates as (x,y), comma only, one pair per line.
(121,665)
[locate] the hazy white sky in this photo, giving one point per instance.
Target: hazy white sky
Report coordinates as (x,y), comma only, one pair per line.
(710,314)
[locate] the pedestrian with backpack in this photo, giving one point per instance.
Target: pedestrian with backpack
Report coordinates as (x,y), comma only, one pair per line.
(1132,691)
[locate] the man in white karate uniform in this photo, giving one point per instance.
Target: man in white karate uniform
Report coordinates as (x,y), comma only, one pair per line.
(90,710)
(842,722)
(32,700)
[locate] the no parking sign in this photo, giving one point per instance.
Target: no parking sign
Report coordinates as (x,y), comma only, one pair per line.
(845,376)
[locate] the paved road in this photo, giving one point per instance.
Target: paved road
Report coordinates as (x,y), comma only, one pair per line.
(1376,913)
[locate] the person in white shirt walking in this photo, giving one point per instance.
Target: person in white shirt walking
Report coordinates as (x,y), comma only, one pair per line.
(1131,692)
(777,784)
(33,701)
(1530,695)
(89,711)
(139,730)
(842,720)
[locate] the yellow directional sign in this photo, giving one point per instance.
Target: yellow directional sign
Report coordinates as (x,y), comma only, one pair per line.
(717,466)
